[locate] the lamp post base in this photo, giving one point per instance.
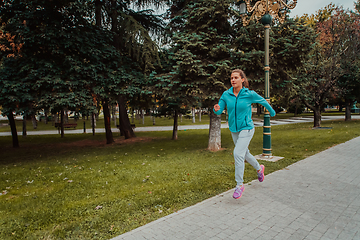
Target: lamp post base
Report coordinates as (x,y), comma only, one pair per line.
(269,158)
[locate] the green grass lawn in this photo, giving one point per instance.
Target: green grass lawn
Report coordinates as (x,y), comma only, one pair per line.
(78,187)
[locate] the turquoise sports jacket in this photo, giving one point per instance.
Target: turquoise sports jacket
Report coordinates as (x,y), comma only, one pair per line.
(239,108)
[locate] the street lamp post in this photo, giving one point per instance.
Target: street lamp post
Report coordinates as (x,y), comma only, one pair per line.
(266,10)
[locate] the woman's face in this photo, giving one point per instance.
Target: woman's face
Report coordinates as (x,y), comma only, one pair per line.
(236,80)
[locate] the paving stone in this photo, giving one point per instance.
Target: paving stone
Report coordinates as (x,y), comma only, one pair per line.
(346,235)
(282,236)
(256,233)
(299,234)
(314,235)
(357,235)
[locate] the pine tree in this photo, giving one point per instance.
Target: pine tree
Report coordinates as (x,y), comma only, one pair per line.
(201,50)
(62,61)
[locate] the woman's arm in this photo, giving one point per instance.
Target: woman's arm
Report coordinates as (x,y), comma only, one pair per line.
(219,108)
(259,99)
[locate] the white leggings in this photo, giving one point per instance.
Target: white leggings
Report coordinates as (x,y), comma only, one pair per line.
(241,153)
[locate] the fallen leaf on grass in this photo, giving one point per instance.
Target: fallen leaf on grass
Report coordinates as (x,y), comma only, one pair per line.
(98,207)
(3,192)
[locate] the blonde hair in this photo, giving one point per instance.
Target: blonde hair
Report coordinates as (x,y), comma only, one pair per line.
(243,76)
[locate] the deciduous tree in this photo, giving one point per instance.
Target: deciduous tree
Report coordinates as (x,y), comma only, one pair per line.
(336,50)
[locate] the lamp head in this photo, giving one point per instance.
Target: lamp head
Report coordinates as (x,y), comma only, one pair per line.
(243,8)
(266,19)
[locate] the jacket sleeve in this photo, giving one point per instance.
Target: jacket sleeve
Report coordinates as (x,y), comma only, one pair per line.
(222,105)
(259,99)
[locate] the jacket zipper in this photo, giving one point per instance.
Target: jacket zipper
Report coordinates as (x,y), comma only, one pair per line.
(235,112)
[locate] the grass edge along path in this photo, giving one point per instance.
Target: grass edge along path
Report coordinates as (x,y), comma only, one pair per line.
(72,188)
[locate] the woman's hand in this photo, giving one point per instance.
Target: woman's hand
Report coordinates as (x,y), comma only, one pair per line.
(216,107)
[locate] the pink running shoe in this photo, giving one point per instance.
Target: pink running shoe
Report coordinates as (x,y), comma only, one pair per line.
(260,174)
(238,192)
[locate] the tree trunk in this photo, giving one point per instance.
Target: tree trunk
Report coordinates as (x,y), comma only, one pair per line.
(14,135)
(66,116)
(138,116)
(34,122)
(175,127)
(62,123)
(107,120)
(114,23)
(84,123)
(24,133)
(125,125)
(97,114)
(348,104)
(113,112)
(154,117)
(193,115)
(199,114)
(133,115)
(317,112)
(340,107)
(296,109)
(258,109)
(98,20)
(143,116)
(98,12)
(119,126)
(317,116)
(214,132)
(46,117)
(93,123)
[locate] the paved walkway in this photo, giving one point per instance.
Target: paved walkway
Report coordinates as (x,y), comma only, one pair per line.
(183,127)
(316,198)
